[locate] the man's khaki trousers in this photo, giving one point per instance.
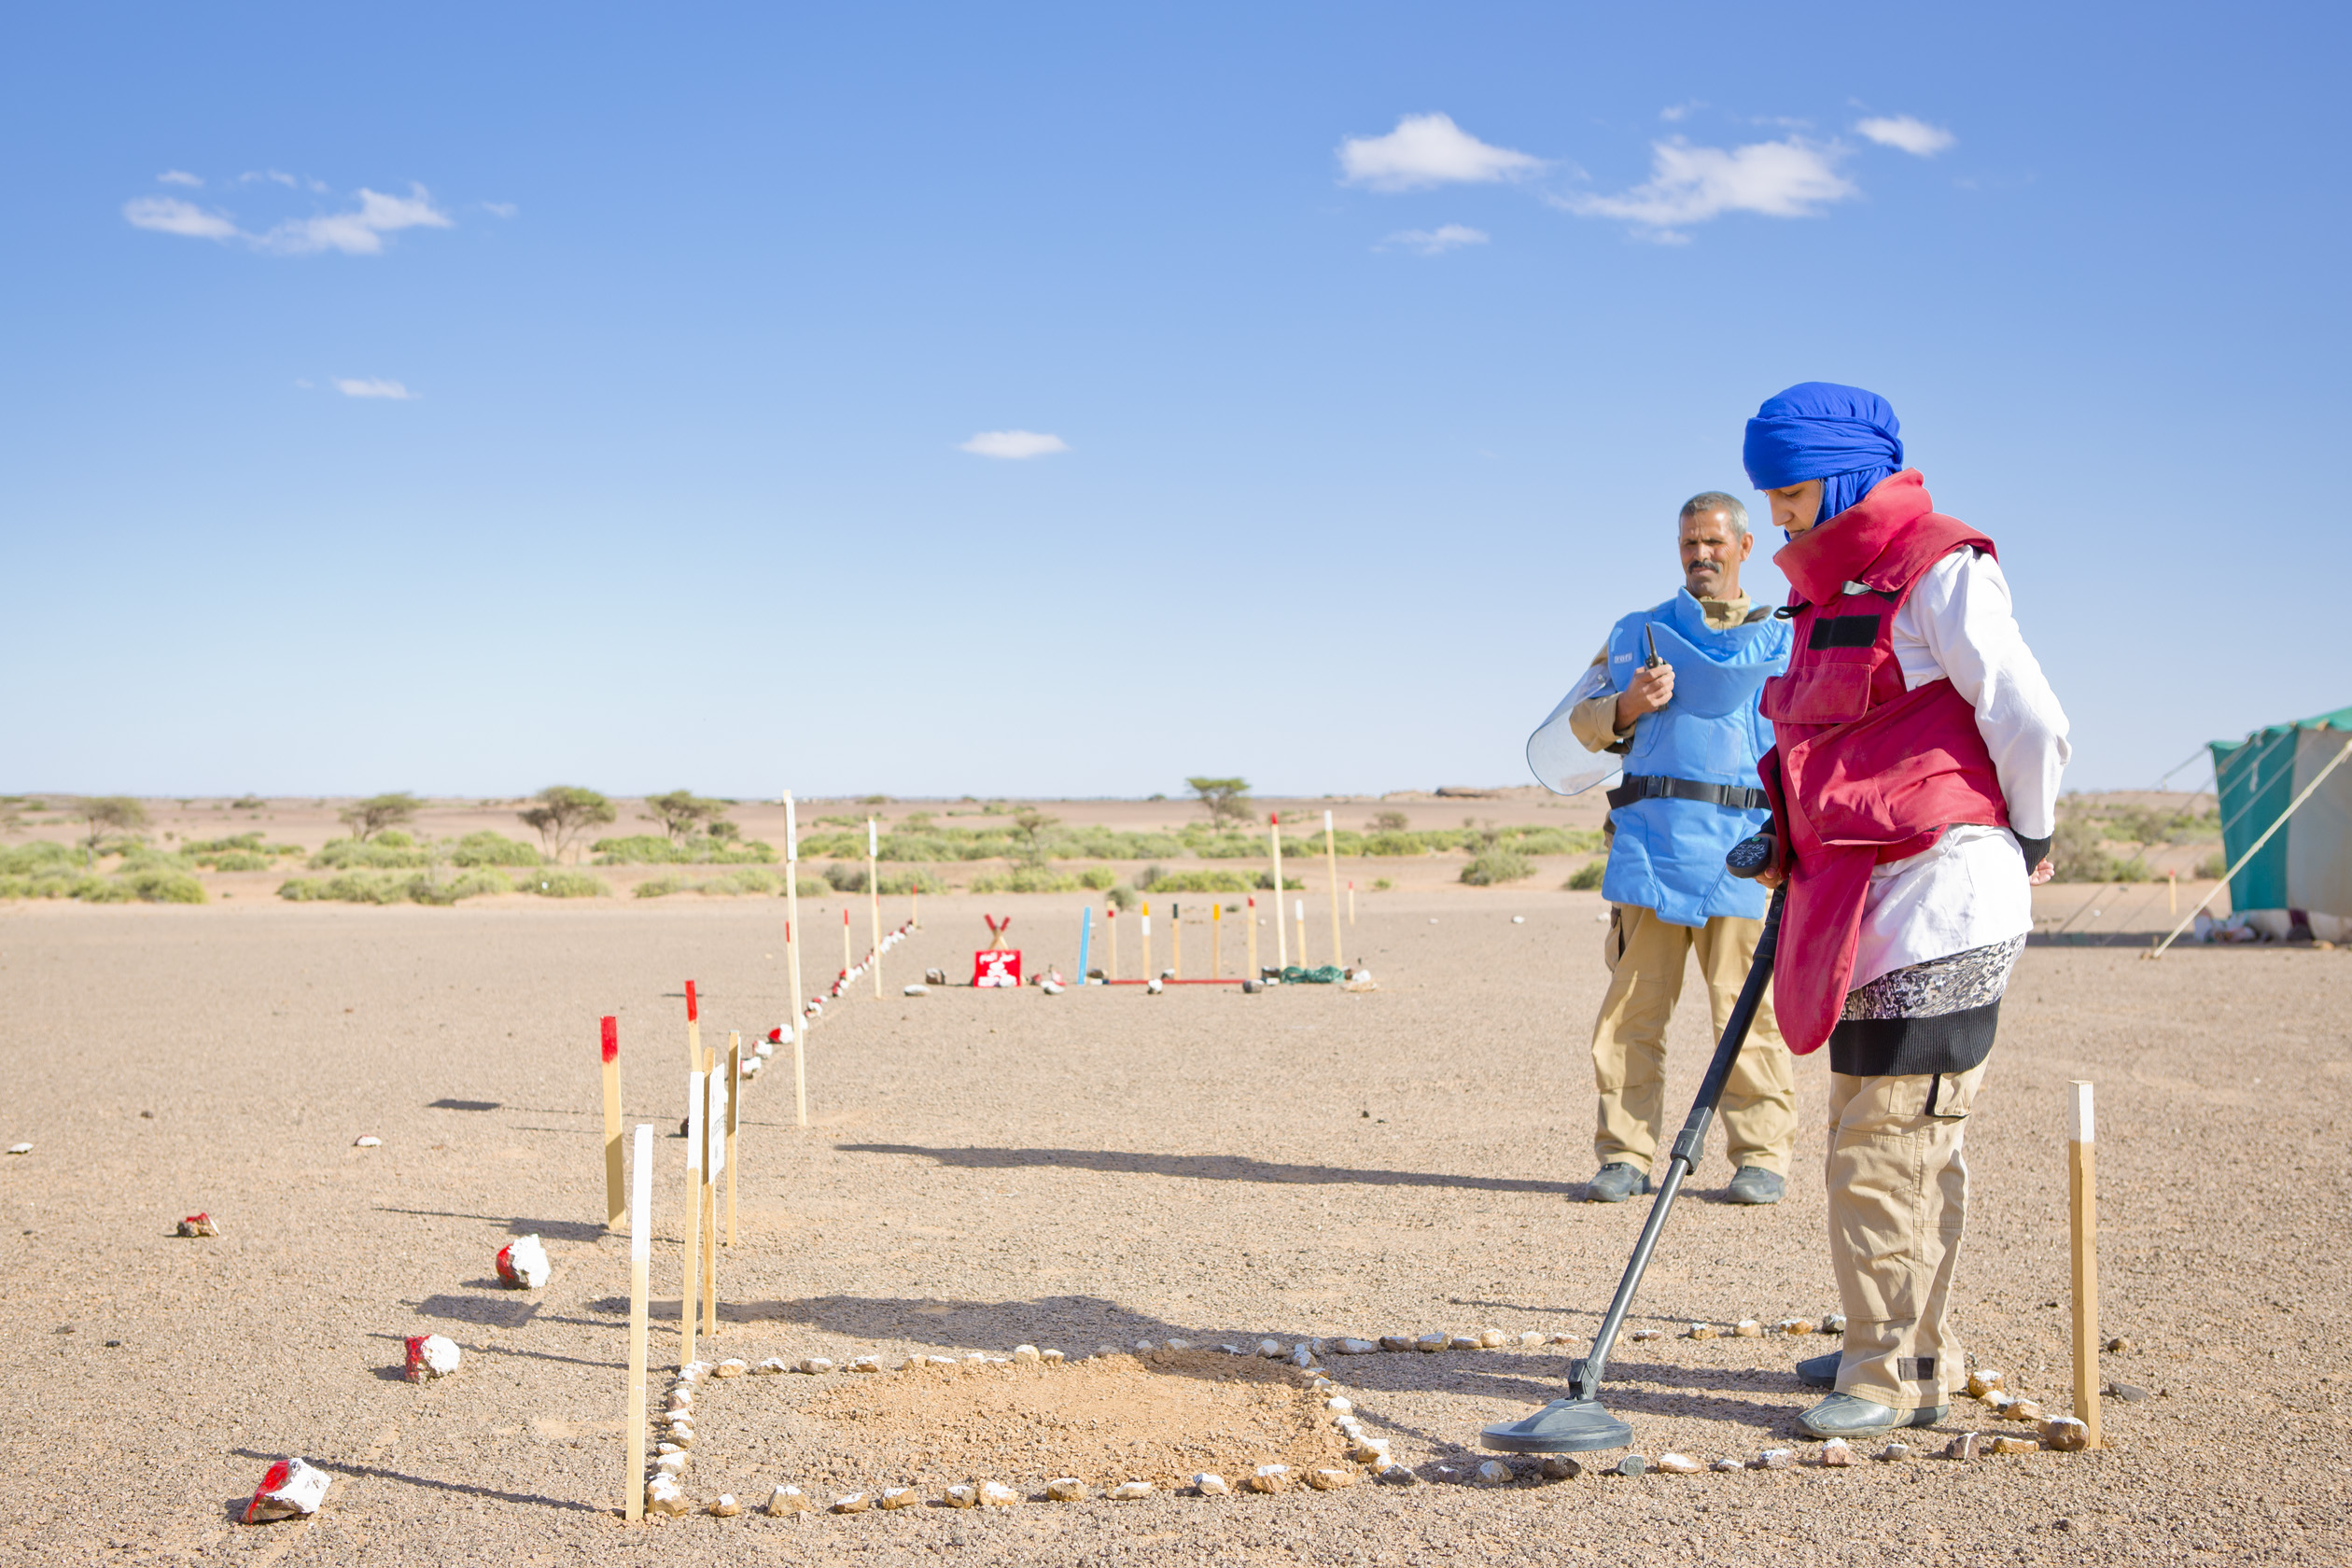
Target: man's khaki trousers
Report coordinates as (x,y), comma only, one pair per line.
(1646,957)
(1898,1197)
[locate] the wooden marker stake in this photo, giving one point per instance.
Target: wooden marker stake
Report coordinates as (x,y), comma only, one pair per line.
(1216,941)
(2082,1217)
(846,959)
(734,1096)
(693,1030)
(2171,892)
(1352,902)
(1147,943)
(714,1157)
(873,896)
(792,959)
(1331,864)
(1299,909)
(688,1299)
(1252,917)
(1281,942)
(1110,932)
(641,1263)
(616,1181)
(1176,938)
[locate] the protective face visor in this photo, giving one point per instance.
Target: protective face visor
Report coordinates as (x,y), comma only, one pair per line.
(1558,760)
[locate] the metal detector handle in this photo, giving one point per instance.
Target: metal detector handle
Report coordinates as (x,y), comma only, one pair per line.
(1584,1375)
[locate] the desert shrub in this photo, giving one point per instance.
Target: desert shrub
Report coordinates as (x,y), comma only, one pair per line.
(1389,821)
(1225,846)
(1027,879)
(1119,896)
(237,860)
(247,803)
(1264,882)
(1381,884)
(352,886)
(693,849)
(353,854)
(1201,882)
(36,858)
(2212,866)
(103,889)
(562,882)
(1553,841)
(907,881)
(564,812)
(1394,843)
(371,818)
(1149,879)
(1587,876)
(810,887)
(1495,865)
(394,838)
(845,877)
(660,886)
(1098,879)
(743,879)
(487,848)
(477,883)
(2079,853)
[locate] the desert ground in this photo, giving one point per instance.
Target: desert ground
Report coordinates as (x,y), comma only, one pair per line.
(985,1169)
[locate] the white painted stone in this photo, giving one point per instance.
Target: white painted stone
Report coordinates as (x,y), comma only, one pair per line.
(866,1364)
(1748,1328)
(1368,1450)
(1726,1466)
(673,1463)
(1330,1480)
(1776,1459)
(1209,1485)
(1065,1488)
(20,1148)
(1492,1340)
(1519,920)
(812,1366)
(1268,1478)
(1353,1346)
(668,1448)
(996,1495)
(1679,1464)
(431,1356)
(1051,1358)
(1494,1473)
(2064,1435)
(962,1496)
(290,1487)
(786,1500)
(1270,1349)
(725,1506)
(522,1263)
(733,1366)
(1561,1339)
(1833,1322)
(1461,1342)
(918,989)
(898,1497)
(1339,1405)
(1154,986)
(1639,1334)
(771,1367)
(1027,1355)
(2016,1445)
(1894,1451)
(1531,1339)
(1836,1453)
(1179,1345)
(367,1141)
(1432,1342)
(1127,1491)
(856,1502)
(1984,1382)
(664,1495)
(1794,1326)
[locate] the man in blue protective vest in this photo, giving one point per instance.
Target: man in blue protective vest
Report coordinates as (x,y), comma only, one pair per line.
(1677,687)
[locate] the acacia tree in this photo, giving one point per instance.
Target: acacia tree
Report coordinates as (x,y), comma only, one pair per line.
(681,810)
(367,818)
(1031,824)
(107,814)
(563,812)
(1226,800)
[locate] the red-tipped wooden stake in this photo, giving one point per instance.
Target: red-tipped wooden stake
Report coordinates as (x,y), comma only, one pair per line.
(714,1153)
(616,1182)
(1331,865)
(791,958)
(689,1298)
(641,1263)
(1253,918)
(693,1030)
(1282,941)
(734,1096)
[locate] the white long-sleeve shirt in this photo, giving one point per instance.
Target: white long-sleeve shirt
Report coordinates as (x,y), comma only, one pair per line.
(1970,891)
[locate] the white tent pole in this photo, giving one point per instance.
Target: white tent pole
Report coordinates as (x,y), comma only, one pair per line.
(2157,951)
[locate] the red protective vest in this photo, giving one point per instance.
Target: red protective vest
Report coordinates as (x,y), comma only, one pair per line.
(1863,772)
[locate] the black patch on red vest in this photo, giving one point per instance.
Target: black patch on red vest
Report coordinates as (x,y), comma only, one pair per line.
(1844,631)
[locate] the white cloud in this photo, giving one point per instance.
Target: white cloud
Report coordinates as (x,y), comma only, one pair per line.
(373,387)
(275,177)
(360,233)
(1914,137)
(179,177)
(1014,444)
(169,214)
(1791,178)
(1425,150)
(1433,242)
(501,209)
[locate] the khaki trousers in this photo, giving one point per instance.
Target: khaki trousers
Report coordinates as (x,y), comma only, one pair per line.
(1898,1197)
(1645,957)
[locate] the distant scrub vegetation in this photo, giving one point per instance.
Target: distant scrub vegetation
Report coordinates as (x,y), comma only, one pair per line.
(690,850)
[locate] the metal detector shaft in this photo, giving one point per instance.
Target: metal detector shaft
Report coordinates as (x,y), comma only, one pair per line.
(1586,1375)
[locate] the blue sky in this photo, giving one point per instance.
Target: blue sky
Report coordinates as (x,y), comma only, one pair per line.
(464,399)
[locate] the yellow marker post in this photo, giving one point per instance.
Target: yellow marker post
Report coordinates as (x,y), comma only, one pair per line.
(1147,943)
(1331,865)
(616,1194)
(1216,941)
(1252,917)
(714,1154)
(1281,942)
(2082,1217)
(1176,938)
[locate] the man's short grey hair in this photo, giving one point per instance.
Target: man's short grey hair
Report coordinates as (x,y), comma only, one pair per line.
(1715,501)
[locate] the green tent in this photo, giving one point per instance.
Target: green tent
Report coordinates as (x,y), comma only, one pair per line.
(2307,864)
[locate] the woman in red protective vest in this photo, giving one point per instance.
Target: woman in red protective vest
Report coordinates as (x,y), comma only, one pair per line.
(1915,786)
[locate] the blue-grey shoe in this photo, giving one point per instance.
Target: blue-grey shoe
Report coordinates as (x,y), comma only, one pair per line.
(1614,1182)
(1820,1371)
(1844,1415)
(1752,1183)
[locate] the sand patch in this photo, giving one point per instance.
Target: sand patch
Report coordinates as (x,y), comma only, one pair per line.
(1104,1420)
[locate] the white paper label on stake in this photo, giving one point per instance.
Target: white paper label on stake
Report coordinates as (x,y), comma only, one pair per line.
(1147,925)
(642,1198)
(715,1120)
(874,840)
(2078,1124)
(1327,821)
(1298,908)
(694,1098)
(792,833)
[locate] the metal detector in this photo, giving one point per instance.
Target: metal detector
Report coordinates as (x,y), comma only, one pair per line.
(1581,1423)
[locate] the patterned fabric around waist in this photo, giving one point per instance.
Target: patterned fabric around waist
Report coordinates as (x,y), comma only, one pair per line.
(1939,986)
(1937,1016)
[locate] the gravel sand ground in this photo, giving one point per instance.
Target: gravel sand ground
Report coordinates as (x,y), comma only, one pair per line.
(988,1169)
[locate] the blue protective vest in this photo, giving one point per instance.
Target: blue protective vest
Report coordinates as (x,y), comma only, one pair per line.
(1668,854)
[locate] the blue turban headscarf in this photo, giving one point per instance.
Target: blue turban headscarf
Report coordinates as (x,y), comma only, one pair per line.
(1844,437)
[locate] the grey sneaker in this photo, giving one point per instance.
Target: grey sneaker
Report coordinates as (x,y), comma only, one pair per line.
(1843,1415)
(1752,1183)
(1820,1371)
(1614,1182)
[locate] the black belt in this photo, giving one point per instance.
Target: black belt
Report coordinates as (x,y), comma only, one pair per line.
(1650,786)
